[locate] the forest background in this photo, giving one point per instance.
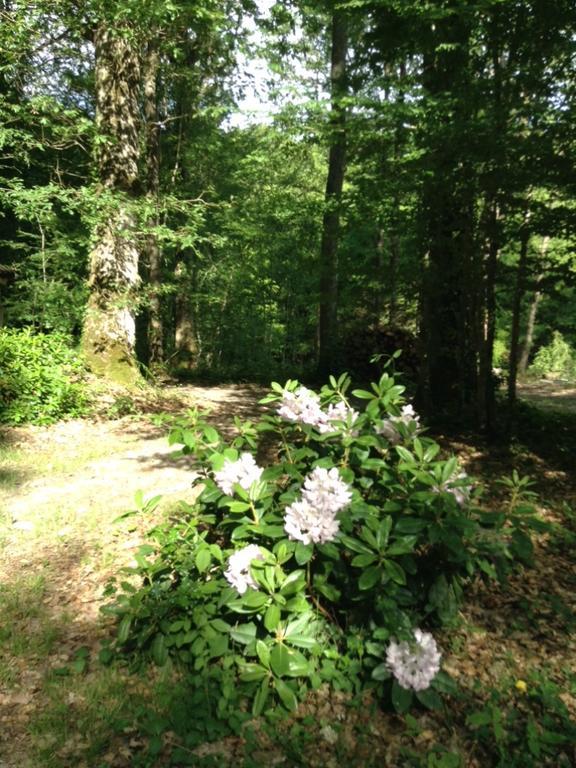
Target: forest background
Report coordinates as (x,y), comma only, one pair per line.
(401,196)
(409,187)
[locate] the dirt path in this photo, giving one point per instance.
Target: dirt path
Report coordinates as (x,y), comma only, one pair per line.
(61,489)
(550,395)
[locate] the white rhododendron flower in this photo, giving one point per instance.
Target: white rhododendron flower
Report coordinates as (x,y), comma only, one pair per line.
(238,572)
(389,427)
(301,406)
(312,519)
(326,491)
(416,664)
(337,412)
(245,471)
(303,522)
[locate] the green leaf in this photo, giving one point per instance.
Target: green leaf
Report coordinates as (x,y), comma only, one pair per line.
(159,650)
(211,435)
(355,545)
(405,454)
(261,697)
(252,672)
(383,532)
(429,698)
(363,394)
(303,553)
(302,641)
(287,695)
(409,525)
(244,634)
(279,660)
(203,559)
(286,661)
(298,665)
(255,600)
(445,684)
(272,618)
(218,645)
(381,672)
(124,629)
(370,577)
(263,653)
(238,506)
(329,591)
(402,546)
(401,698)
(394,571)
(361,561)
(220,625)
(294,582)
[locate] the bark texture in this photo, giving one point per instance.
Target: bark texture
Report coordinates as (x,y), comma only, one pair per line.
(515,330)
(532,313)
(152,253)
(328,326)
(449,304)
(109,329)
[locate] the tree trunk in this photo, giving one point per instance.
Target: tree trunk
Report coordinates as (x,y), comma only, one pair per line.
(108,338)
(486,384)
(186,342)
(532,313)
(328,326)
(515,332)
(487,321)
(529,338)
(448,384)
(152,254)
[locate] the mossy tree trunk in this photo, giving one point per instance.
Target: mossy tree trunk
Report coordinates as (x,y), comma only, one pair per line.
(109,329)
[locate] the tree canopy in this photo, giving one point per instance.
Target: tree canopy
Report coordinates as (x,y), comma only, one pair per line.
(407,183)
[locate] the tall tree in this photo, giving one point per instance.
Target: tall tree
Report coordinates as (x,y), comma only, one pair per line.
(328,326)
(109,333)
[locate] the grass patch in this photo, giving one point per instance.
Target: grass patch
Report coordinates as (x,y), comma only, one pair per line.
(85,720)
(28,631)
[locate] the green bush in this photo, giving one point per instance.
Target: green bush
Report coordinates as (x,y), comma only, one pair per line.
(321,568)
(557,360)
(40,378)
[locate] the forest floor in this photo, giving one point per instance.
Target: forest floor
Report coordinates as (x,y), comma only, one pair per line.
(62,488)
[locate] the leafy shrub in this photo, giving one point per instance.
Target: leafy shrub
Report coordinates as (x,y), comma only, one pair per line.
(40,378)
(322,567)
(557,360)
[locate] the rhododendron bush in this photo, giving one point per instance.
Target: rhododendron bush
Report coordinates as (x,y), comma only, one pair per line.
(329,544)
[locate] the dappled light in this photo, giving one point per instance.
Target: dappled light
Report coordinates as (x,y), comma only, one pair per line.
(287,384)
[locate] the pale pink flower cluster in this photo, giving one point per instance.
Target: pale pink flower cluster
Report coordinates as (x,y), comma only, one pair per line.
(416,664)
(244,471)
(238,571)
(313,517)
(303,407)
(389,428)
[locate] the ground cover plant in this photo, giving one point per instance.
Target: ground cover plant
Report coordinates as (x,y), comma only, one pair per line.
(41,379)
(327,546)
(510,648)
